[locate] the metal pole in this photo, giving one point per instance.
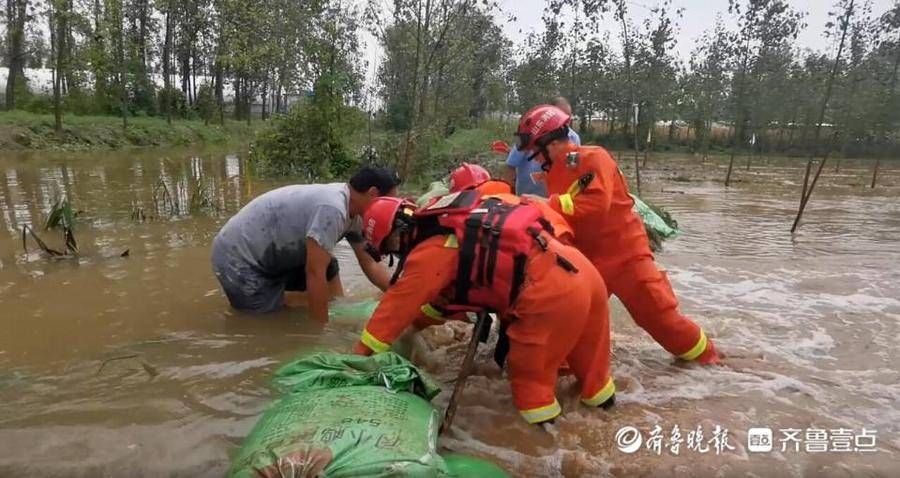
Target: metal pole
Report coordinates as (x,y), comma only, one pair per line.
(464,371)
(637,165)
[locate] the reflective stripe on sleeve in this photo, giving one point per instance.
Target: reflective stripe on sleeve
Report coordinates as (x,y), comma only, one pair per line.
(376,345)
(697,349)
(567,204)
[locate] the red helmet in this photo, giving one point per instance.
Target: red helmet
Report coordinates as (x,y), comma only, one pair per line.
(468,176)
(381,218)
(541,125)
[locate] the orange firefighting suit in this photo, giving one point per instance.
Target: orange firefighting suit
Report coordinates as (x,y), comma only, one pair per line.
(559,315)
(586,187)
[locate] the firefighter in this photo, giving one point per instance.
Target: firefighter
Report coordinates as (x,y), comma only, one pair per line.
(587,188)
(469,252)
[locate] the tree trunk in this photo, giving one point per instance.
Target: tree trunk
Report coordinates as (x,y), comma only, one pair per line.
(413,99)
(875,172)
(737,135)
(184,64)
(15,43)
(834,70)
(265,95)
(59,26)
(627,49)
(166,63)
(279,107)
(142,36)
(220,90)
(194,73)
(672,130)
(120,59)
(238,100)
(69,82)
(248,100)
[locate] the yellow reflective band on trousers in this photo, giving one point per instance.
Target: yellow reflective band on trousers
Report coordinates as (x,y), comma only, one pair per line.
(541,414)
(376,345)
(603,395)
(430,311)
(451,242)
(697,349)
(567,204)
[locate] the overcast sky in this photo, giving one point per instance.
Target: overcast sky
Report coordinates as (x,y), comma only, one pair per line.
(699,16)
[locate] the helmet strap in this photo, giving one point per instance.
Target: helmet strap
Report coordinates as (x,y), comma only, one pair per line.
(406,245)
(547,161)
(544,141)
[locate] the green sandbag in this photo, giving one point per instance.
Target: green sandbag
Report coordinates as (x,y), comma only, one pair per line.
(435,189)
(356,311)
(467,466)
(346,415)
(325,371)
(654,221)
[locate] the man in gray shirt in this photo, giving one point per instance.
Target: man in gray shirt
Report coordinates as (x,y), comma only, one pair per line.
(284,240)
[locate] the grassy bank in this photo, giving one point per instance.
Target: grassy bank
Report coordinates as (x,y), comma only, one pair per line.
(21,130)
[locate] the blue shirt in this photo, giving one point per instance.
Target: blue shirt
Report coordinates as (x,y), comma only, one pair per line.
(525,183)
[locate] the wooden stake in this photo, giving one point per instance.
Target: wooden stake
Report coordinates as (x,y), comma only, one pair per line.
(806,179)
(845,22)
(464,371)
(647,151)
(808,193)
(875,172)
(730,167)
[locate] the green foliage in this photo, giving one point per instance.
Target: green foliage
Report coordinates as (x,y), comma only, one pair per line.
(311,140)
(448,66)
(61,215)
(172,100)
(206,105)
(19,129)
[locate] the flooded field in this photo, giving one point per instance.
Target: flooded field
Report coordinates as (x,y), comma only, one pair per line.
(136,366)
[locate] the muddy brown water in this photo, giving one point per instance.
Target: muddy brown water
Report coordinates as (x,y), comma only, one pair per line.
(809,325)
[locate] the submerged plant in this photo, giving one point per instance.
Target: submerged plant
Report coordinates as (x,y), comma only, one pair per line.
(61,216)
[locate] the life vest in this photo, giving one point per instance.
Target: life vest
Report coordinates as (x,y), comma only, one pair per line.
(494,240)
(559,227)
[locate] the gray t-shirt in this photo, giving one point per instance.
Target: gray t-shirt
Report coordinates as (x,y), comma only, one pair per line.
(269,233)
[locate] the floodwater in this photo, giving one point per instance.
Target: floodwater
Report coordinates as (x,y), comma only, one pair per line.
(136,366)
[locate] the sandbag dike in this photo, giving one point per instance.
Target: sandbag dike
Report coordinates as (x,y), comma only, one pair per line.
(347,415)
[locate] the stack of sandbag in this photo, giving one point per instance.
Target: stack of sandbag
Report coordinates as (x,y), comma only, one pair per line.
(352,310)
(658,223)
(435,189)
(349,415)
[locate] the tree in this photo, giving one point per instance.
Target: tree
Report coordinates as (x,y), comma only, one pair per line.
(762,26)
(427,43)
(35,47)
(16,18)
(844,8)
(707,84)
(58,15)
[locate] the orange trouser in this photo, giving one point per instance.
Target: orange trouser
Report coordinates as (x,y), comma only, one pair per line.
(647,294)
(559,316)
